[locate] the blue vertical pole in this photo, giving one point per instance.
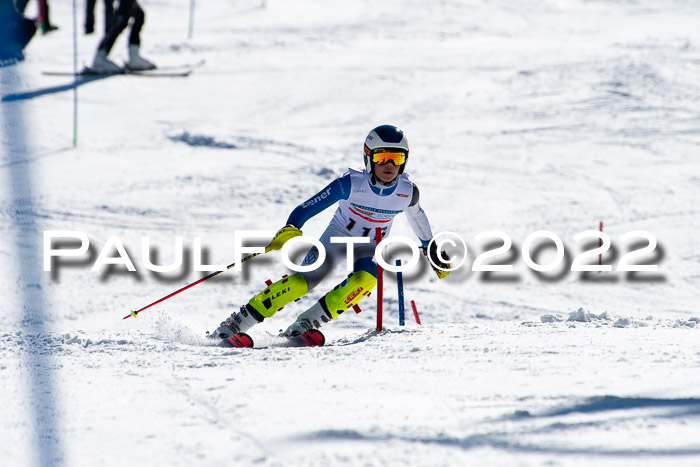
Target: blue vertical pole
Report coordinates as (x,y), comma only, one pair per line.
(75,74)
(399,283)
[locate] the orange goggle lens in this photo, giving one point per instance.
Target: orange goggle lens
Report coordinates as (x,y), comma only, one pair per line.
(382,156)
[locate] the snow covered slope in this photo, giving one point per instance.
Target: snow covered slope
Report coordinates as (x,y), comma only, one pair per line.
(522,116)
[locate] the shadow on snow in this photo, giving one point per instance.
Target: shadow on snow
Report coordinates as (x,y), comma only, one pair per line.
(79,81)
(507,440)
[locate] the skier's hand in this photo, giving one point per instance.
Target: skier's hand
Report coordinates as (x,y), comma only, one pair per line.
(282,236)
(436,259)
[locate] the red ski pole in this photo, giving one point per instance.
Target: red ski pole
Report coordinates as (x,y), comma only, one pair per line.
(136,312)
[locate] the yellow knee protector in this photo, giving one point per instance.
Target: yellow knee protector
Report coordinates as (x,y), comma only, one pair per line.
(275,297)
(349,292)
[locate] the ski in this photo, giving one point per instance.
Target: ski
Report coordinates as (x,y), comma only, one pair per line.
(87,72)
(238,340)
(311,338)
(173,73)
(164,70)
(190,66)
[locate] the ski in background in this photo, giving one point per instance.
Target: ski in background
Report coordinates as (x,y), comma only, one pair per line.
(165,71)
(89,72)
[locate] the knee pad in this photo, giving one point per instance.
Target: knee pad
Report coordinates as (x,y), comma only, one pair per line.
(275,297)
(349,292)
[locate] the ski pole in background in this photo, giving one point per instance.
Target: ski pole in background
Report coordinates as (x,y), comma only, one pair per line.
(43,21)
(380,282)
(75,74)
(191,26)
(600,243)
(399,283)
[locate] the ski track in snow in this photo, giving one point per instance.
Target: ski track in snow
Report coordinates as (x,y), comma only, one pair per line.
(521,117)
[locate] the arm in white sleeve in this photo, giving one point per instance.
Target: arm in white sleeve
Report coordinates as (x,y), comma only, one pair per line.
(418,220)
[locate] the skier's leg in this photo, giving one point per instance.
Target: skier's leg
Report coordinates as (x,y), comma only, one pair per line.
(45,20)
(270,300)
(357,286)
(109,14)
(101,63)
(343,296)
(275,297)
(90,16)
(136,61)
(263,305)
(139,16)
(121,20)
(290,288)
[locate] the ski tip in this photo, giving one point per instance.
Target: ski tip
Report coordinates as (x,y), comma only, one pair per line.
(238,341)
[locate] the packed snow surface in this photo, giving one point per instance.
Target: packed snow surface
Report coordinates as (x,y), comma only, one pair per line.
(521,117)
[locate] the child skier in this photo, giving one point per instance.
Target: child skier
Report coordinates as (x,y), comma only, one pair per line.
(366,199)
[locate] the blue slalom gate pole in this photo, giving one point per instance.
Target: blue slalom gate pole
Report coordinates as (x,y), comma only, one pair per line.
(75,74)
(399,283)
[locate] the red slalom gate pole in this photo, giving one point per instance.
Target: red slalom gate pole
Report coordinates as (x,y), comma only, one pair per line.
(380,283)
(415,311)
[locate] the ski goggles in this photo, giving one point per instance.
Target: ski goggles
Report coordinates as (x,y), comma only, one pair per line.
(381,156)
